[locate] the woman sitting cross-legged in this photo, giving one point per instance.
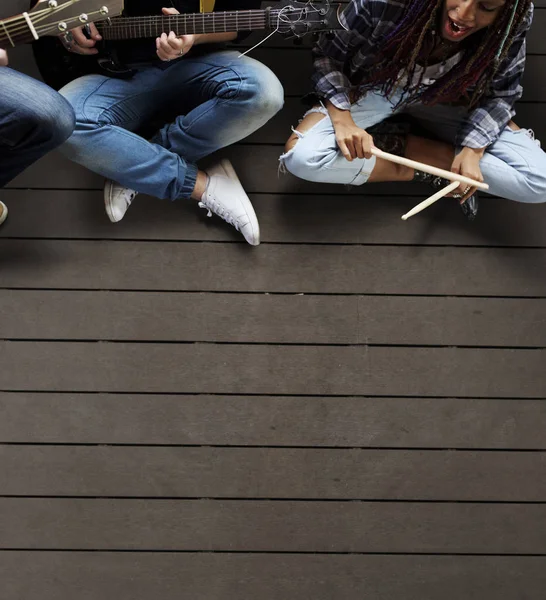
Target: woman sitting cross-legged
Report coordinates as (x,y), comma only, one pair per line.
(454,66)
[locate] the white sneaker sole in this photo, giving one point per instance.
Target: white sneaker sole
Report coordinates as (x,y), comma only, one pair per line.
(108,201)
(4,214)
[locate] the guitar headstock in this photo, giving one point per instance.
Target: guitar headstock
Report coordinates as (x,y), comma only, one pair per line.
(52,17)
(296,19)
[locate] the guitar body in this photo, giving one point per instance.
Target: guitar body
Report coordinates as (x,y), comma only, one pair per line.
(59,67)
(109,64)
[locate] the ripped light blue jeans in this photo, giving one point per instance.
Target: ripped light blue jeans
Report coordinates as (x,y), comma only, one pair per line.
(219,97)
(514,166)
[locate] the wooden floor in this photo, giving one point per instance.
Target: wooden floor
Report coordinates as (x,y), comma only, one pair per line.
(354,410)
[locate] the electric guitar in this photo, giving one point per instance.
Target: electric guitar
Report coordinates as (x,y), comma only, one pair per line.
(292,19)
(54,17)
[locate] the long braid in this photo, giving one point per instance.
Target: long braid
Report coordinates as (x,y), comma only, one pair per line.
(412,65)
(514,22)
(402,50)
(479,66)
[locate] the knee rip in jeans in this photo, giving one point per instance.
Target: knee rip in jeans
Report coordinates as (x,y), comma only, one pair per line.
(298,135)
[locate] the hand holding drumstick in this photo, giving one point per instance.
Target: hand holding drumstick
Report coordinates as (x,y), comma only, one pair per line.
(455,178)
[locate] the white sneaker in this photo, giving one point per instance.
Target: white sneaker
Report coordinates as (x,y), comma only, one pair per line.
(226,198)
(3,213)
(117,200)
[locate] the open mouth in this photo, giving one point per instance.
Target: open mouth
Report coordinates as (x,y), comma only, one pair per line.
(456,30)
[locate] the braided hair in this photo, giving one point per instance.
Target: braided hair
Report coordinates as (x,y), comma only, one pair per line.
(402,50)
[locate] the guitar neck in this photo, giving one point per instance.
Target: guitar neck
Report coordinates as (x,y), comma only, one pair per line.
(124,28)
(15,31)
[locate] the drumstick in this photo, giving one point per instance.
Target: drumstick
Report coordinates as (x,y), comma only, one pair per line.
(428,169)
(426,203)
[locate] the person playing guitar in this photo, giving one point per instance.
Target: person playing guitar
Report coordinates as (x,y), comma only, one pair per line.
(214,95)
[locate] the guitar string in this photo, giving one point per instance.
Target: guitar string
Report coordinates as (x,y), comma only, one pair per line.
(280,18)
(20,23)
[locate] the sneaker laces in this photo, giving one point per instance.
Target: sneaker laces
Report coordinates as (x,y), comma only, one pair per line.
(215,207)
(129,197)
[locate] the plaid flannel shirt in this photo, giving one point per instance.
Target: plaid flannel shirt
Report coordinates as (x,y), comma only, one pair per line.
(353,52)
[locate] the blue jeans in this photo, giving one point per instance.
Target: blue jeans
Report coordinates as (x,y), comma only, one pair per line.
(514,166)
(33,120)
(219,97)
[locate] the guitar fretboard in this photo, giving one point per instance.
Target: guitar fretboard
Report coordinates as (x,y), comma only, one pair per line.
(122,28)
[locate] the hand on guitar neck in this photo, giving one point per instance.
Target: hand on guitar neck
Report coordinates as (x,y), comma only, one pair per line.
(3,58)
(169,46)
(173,46)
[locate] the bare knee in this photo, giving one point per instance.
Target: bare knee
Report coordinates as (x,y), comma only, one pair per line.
(290,143)
(305,125)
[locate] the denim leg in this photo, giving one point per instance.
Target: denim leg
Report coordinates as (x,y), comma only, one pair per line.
(514,166)
(34,119)
(221,98)
(108,112)
(316,156)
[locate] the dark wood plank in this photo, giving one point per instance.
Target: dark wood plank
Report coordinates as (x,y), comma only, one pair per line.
(239,369)
(57,172)
(272,421)
(283,218)
(272,526)
(272,268)
(263,473)
(259,318)
(209,576)
(533,82)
